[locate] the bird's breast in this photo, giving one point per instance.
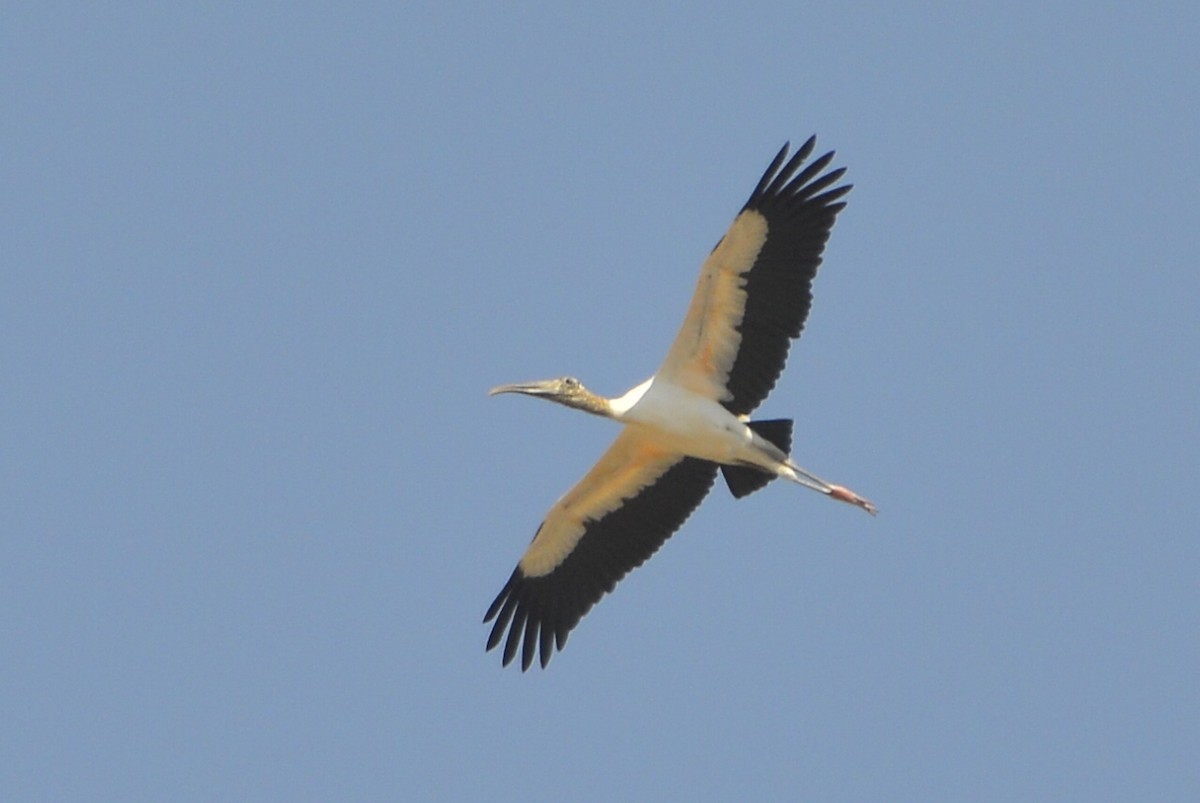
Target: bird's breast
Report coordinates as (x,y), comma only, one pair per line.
(685,422)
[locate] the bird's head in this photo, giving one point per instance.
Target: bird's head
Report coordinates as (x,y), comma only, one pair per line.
(566,390)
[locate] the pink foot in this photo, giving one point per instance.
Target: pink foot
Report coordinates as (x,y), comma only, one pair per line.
(846,495)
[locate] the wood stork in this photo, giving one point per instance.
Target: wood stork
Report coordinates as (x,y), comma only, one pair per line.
(688,420)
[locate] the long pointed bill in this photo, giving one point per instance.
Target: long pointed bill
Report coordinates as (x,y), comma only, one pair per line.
(540,388)
(838,492)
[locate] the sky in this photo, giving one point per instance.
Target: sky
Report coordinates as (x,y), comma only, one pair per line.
(260,263)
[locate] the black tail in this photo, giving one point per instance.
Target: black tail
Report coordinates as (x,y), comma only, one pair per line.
(743,481)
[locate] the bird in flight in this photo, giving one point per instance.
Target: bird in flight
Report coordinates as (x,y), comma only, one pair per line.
(689,420)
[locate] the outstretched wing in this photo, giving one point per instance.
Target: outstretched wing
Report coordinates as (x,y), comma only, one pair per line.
(615,518)
(755,288)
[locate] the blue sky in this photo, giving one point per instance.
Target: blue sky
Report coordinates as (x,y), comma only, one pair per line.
(261,263)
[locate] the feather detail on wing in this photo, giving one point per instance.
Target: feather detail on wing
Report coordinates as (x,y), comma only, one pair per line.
(615,518)
(755,288)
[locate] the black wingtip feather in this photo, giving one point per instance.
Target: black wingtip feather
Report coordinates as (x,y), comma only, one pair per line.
(800,209)
(785,174)
(546,639)
(808,147)
(514,634)
(828,198)
(532,624)
(500,599)
(769,174)
(801,181)
(817,185)
(538,613)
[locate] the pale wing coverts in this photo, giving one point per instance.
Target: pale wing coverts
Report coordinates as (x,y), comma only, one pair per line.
(754,290)
(615,518)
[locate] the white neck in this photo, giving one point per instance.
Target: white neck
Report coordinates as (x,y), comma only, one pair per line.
(623,404)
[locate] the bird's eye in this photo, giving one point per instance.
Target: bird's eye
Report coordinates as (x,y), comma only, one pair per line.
(571,382)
